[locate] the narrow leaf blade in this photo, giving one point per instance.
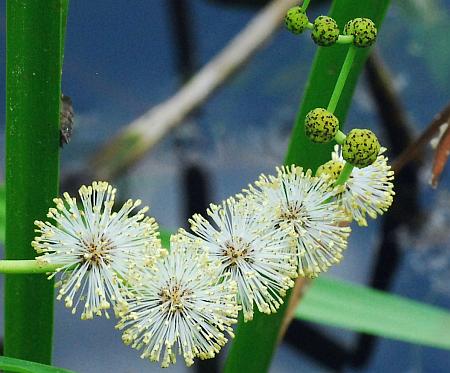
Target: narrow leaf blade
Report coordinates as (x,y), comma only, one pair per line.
(362,309)
(24,366)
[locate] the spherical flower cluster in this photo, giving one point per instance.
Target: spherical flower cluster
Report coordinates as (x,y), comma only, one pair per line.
(296,20)
(363,30)
(181,305)
(368,191)
(303,204)
(325,31)
(258,257)
(361,147)
(321,126)
(331,169)
(98,250)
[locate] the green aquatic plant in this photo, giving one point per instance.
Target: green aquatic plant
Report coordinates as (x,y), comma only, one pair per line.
(238,263)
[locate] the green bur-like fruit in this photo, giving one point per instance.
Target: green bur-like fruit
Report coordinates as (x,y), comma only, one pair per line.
(296,20)
(325,31)
(363,30)
(321,125)
(361,148)
(332,169)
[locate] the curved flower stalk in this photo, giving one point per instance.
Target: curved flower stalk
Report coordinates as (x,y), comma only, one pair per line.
(98,250)
(257,255)
(296,201)
(369,190)
(182,305)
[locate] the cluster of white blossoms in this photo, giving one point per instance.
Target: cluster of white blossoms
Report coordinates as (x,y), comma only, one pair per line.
(243,255)
(184,305)
(368,190)
(306,206)
(259,258)
(99,250)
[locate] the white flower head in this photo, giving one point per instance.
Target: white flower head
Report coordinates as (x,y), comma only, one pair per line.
(258,257)
(368,190)
(99,250)
(302,204)
(182,306)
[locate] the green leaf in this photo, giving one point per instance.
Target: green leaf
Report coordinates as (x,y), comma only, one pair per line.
(33,92)
(24,366)
(358,308)
(255,341)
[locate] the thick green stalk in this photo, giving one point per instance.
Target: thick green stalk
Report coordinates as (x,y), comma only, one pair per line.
(18,267)
(33,91)
(255,342)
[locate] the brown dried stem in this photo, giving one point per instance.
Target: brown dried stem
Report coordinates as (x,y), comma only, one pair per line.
(413,150)
(138,137)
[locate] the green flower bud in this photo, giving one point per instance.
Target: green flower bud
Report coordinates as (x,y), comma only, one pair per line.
(361,148)
(321,125)
(331,168)
(325,31)
(296,20)
(363,31)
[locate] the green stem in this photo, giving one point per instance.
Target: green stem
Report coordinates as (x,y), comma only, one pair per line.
(16,267)
(33,92)
(345,39)
(310,26)
(345,174)
(340,137)
(305,5)
(342,78)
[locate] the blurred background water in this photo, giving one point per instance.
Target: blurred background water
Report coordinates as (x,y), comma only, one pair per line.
(120,60)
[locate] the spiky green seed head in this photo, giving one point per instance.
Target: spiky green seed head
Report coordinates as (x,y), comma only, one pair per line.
(296,20)
(325,31)
(363,30)
(331,169)
(321,125)
(361,148)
